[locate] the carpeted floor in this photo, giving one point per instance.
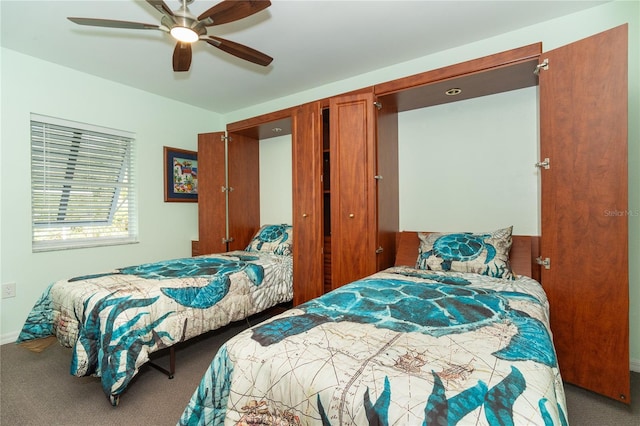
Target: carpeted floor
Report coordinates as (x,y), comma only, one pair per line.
(37,389)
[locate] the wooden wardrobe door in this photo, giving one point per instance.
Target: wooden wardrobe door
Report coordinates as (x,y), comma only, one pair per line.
(388,186)
(211,200)
(583,118)
(308,276)
(243,158)
(353,187)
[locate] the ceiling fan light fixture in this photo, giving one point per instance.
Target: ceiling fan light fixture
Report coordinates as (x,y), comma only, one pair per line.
(184,34)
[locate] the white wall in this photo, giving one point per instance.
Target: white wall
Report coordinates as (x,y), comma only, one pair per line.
(276,181)
(469,165)
(166,229)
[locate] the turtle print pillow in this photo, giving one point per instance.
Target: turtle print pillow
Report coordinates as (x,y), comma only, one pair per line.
(485,253)
(277,239)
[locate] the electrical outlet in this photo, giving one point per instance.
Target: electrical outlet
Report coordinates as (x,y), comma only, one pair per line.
(8,290)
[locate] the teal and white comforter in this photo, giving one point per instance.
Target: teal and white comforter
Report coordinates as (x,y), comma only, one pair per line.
(114,320)
(400,347)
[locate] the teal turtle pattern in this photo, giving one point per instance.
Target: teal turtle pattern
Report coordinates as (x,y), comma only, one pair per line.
(215,269)
(440,410)
(438,310)
(114,351)
(461,247)
(441,278)
(406,306)
(270,235)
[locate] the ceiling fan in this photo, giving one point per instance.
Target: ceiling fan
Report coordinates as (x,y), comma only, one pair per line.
(186,28)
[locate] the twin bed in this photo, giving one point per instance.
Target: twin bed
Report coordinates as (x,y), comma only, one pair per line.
(456,333)
(113,321)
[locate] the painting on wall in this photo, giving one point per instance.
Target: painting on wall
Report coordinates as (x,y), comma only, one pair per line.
(180,175)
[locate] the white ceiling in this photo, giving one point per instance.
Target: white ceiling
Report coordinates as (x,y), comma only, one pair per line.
(312,42)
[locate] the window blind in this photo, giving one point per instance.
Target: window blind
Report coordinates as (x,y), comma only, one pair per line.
(82,185)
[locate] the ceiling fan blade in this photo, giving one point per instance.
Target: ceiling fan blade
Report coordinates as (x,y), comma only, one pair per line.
(240,50)
(232,10)
(109,23)
(161,6)
(182,57)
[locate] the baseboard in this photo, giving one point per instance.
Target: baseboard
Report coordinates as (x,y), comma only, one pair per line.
(9,338)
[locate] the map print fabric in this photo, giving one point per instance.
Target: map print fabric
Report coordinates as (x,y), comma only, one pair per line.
(114,320)
(401,347)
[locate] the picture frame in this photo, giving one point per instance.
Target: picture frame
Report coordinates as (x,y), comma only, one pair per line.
(180,175)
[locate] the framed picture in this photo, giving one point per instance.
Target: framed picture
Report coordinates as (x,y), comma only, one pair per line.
(180,175)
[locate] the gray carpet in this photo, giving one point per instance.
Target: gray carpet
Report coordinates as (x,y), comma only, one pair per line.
(37,389)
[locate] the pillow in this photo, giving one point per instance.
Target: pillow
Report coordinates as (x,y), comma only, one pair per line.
(485,253)
(277,239)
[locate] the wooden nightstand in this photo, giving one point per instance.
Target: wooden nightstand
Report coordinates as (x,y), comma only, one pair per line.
(195,248)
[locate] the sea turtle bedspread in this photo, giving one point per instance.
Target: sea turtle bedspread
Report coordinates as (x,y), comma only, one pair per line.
(114,320)
(400,347)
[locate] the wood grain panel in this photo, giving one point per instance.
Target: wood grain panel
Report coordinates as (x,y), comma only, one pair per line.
(308,273)
(353,191)
(261,127)
(244,199)
(195,248)
(211,201)
(388,185)
(583,113)
(500,72)
(473,85)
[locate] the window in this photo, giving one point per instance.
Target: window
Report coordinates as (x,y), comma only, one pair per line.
(82,185)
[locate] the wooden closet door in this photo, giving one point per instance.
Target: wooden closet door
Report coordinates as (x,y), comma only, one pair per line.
(353,187)
(243,154)
(211,200)
(388,186)
(583,117)
(308,276)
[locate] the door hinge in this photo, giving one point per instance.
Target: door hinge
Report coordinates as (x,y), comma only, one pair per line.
(378,105)
(226,188)
(546,163)
(225,138)
(227,240)
(378,177)
(379,250)
(546,262)
(543,66)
